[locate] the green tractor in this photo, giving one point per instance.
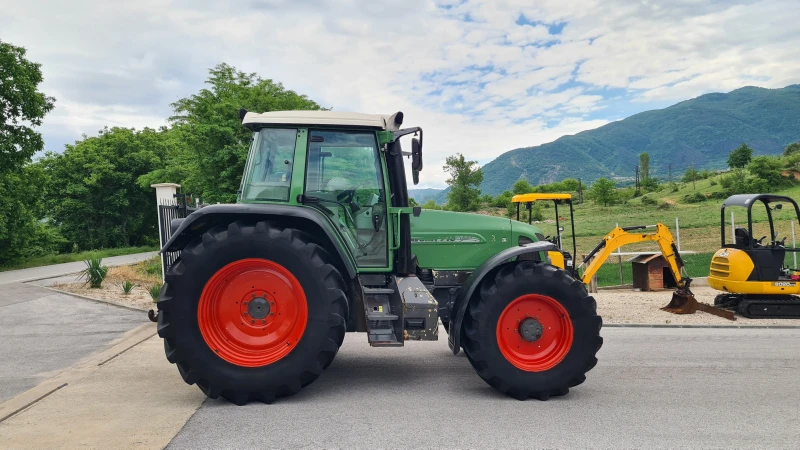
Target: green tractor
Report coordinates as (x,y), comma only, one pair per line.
(322,241)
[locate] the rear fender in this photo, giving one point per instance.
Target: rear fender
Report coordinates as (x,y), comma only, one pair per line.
(474,280)
(307,219)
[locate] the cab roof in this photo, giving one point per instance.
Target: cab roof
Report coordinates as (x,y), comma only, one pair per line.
(747,200)
(524,198)
(324,118)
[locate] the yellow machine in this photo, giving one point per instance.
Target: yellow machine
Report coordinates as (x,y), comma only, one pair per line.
(683,300)
(752,272)
(561,258)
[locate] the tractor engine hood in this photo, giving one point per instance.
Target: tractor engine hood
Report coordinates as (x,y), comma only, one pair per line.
(447,240)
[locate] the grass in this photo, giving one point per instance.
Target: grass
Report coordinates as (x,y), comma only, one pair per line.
(696,266)
(72,257)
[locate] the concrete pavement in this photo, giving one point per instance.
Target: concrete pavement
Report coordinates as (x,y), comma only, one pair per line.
(653,388)
(55,270)
(42,332)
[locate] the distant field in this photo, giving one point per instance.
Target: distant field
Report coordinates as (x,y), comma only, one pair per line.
(71,257)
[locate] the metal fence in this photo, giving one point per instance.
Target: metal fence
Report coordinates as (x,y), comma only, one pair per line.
(168,210)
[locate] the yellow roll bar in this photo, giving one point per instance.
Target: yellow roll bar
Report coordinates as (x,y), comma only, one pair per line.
(524,198)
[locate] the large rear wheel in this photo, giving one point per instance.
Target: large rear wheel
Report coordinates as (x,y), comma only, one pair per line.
(252,312)
(532,330)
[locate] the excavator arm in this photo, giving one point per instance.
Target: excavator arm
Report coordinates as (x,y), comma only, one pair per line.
(621,236)
(683,300)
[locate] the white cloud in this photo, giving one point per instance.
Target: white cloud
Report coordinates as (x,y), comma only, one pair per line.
(482,77)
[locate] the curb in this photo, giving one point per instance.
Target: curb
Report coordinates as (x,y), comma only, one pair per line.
(670,325)
(96,300)
(29,398)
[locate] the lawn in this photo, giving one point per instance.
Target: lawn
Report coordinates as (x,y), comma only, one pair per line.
(71,257)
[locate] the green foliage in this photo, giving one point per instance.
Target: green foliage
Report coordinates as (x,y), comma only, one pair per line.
(698,130)
(649,201)
(570,184)
(673,187)
(650,184)
(792,149)
(22,107)
(151,267)
(127,286)
(644,167)
(695,175)
(522,187)
(155,291)
(93,193)
(767,171)
(430,204)
(740,156)
(95,272)
(503,200)
(465,176)
(412,202)
(214,141)
(486,199)
(712,182)
(695,197)
(603,193)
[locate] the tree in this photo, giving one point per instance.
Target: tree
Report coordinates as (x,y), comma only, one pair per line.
(522,187)
(430,204)
(214,140)
(22,107)
(465,176)
(792,149)
(767,171)
(644,166)
(94,194)
(739,157)
(602,192)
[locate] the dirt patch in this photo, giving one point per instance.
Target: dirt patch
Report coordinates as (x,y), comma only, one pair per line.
(628,306)
(111,289)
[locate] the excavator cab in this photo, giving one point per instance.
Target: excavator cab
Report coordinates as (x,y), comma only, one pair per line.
(751,270)
(559,258)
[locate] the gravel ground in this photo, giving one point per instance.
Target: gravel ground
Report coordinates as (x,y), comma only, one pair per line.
(628,306)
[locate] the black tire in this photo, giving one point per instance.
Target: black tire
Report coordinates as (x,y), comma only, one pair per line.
(178,318)
(497,291)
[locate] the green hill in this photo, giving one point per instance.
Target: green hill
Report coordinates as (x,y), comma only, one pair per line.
(701,131)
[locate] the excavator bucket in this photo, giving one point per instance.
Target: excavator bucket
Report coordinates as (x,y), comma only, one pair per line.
(684,302)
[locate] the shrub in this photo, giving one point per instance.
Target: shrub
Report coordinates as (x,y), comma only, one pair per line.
(95,272)
(694,198)
(726,181)
(664,205)
(127,286)
(673,187)
(649,201)
(713,182)
(155,290)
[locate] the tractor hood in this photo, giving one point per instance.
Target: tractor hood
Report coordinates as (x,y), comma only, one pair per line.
(447,240)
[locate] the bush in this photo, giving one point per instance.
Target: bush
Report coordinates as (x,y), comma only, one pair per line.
(694,198)
(95,272)
(673,187)
(726,181)
(127,286)
(151,267)
(649,201)
(664,205)
(155,290)
(713,182)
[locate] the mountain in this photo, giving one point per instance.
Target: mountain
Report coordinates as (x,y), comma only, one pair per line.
(423,195)
(701,131)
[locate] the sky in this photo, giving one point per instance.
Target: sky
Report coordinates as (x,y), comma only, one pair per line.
(481,77)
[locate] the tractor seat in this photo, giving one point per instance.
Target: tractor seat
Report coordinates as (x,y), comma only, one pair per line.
(742,237)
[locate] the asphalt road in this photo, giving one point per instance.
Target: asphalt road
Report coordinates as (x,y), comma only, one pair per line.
(653,388)
(55,270)
(42,332)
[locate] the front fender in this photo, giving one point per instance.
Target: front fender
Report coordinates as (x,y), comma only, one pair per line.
(309,219)
(465,293)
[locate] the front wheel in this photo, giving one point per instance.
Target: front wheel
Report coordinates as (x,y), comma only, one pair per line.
(532,330)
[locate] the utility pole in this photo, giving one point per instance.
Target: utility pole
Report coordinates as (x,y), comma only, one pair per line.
(637,180)
(693,175)
(580,190)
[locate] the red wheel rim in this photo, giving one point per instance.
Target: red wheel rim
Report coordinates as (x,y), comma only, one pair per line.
(534,332)
(252,312)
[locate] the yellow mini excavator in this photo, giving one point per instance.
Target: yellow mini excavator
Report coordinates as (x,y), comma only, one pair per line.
(683,300)
(752,273)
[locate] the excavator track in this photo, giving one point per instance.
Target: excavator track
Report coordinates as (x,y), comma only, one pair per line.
(761,307)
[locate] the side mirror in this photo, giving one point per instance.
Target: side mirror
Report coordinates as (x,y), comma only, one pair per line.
(416,155)
(779,206)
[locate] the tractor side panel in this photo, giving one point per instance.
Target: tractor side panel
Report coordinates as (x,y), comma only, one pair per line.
(446,240)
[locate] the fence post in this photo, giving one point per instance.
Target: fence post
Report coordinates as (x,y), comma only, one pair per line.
(678,233)
(165,195)
(794,245)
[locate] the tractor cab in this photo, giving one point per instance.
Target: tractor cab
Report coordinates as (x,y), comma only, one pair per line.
(560,258)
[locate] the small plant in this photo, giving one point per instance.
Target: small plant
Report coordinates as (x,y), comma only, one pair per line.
(155,290)
(649,201)
(95,272)
(127,286)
